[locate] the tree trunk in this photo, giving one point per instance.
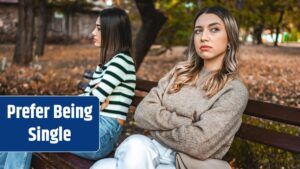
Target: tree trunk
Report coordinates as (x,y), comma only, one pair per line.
(258,32)
(67,15)
(152,21)
(277,27)
(42,28)
(24,39)
(67,32)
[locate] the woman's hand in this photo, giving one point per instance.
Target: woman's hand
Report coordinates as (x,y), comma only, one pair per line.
(104,104)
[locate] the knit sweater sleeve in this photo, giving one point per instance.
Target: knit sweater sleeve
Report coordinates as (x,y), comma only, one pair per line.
(215,127)
(114,74)
(152,115)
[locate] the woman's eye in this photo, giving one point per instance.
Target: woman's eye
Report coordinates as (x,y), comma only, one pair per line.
(215,29)
(98,27)
(197,31)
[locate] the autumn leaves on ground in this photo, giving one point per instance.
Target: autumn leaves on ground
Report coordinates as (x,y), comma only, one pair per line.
(271,74)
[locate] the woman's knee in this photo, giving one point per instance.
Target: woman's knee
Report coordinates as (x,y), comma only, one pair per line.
(137,151)
(137,139)
(135,143)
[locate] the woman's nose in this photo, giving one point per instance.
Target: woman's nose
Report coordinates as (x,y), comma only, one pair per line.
(94,32)
(204,36)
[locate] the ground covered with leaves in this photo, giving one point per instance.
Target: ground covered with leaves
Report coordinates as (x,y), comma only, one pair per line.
(271,75)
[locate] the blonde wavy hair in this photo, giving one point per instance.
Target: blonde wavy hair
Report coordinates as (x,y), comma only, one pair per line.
(186,73)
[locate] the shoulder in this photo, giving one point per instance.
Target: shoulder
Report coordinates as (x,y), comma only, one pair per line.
(170,74)
(237,88)
(234,95)
(238,84)
(123,58)
(167,77)
(123,62)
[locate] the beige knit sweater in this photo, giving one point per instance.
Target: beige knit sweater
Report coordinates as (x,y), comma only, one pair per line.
(191,123)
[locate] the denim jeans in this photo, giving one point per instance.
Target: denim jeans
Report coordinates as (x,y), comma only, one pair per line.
(15,160)
(110,131)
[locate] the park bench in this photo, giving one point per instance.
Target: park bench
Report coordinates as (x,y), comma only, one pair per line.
(267,111)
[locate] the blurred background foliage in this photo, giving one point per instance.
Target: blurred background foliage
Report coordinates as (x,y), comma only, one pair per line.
(249,14)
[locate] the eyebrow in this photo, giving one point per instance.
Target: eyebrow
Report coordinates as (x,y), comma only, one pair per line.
(212,24)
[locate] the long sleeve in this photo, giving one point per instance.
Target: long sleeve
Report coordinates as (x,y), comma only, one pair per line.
(113,75)
(152,115)
(214,128)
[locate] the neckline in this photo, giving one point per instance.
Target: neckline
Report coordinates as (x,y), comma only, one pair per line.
(205,71)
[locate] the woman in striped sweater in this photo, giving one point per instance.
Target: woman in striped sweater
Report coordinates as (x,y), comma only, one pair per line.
(114,82)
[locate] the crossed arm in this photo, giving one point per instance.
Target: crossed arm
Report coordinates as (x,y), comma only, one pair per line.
(199,138)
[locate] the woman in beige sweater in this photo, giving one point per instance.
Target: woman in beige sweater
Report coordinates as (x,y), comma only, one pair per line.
(196,109)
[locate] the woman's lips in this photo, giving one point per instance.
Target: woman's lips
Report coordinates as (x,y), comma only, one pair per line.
(204,48)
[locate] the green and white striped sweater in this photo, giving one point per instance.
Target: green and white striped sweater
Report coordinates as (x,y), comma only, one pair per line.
(116,82)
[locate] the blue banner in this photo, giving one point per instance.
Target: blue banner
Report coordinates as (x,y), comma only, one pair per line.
(49,123)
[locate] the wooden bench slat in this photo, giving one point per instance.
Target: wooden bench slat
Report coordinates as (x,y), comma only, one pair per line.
(274,112)
(145,85)
(59,160)
(142,85)
(39,161)
(136,100)
(269,137)
(74,161)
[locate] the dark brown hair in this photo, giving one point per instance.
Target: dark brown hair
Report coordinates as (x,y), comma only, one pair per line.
(115,33)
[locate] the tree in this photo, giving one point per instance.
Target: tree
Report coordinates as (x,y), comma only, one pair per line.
(152,21)
(268,14)
(24,38)
(42,28)
(178,29)
(278,27)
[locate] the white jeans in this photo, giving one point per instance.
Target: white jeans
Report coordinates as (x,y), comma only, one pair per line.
(139,152)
